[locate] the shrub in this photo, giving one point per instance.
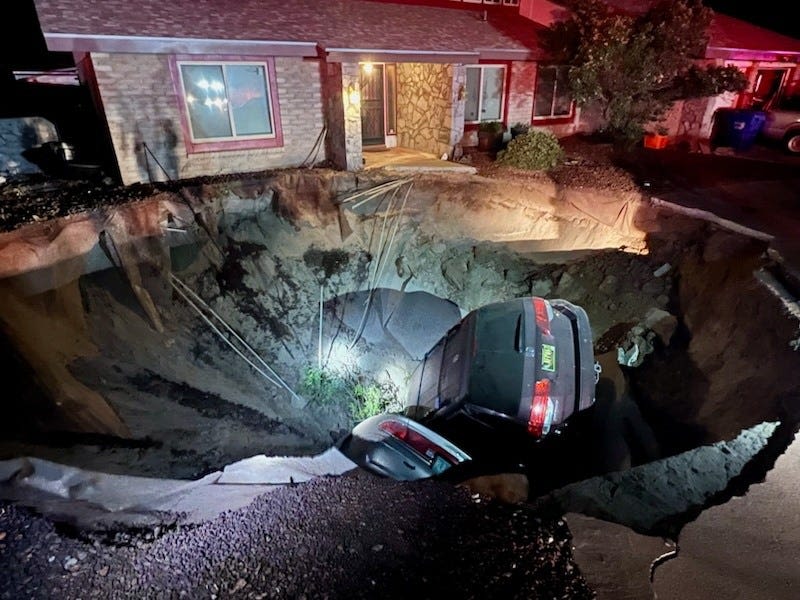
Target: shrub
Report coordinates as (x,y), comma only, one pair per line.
(361,399)
(492,127)
(519,129)
(368,401)
(534,151)
(323,387)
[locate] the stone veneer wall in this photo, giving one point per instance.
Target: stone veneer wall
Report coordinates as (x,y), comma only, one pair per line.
(425,107)
(141,107)
(343,141)
(17,135)
(459,104)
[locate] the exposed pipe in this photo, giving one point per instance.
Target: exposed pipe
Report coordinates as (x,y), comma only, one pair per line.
(273,377)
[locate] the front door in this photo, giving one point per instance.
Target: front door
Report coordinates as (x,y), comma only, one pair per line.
(372,118)
(768,84)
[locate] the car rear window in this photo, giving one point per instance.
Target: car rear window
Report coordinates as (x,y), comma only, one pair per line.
(790,103)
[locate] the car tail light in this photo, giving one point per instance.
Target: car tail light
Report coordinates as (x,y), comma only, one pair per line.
(542,407)
(543,315)
(416,441)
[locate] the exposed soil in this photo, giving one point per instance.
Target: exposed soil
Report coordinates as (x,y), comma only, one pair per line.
(267,286)
(180,403)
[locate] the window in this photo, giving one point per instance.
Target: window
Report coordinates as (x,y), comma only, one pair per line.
(552,98)
(227,104)
(511,2)
(485,93)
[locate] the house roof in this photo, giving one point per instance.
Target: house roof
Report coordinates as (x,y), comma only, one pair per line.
(345,29)
(729,37)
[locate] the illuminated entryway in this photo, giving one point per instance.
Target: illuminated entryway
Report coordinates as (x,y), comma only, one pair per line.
(378,102)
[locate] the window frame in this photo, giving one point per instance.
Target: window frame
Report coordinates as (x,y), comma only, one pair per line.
(236,142)
(566,118)
(503,98)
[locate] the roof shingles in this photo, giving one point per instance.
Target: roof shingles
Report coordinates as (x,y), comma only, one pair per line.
(352,24)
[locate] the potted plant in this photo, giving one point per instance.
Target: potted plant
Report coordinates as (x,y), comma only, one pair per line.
(489,135)
(658,139)
(519,129)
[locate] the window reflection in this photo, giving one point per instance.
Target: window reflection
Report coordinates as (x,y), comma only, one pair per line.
(485,93)
(226,101)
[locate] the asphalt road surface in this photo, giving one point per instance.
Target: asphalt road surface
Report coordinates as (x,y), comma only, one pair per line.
(356,536)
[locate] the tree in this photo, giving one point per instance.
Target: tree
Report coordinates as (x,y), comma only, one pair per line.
(634,67)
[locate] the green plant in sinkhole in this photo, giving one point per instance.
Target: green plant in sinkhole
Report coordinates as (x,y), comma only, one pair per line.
(361,399)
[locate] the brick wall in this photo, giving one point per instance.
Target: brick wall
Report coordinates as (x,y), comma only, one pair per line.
(141,107)
(520,92)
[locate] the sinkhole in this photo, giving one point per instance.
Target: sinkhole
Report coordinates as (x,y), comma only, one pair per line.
(113,370)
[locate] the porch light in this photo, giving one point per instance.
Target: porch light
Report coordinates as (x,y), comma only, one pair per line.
(353,95)
(367,68)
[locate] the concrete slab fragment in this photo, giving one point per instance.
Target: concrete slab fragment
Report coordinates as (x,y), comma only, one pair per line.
(614,559)
(747,548)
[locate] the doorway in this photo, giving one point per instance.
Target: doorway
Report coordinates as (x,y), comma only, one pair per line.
(768,84)
(372,105)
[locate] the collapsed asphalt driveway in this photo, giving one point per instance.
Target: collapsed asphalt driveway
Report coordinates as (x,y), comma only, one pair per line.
(357,536)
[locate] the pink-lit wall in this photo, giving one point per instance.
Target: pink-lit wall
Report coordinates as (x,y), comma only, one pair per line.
(542,11)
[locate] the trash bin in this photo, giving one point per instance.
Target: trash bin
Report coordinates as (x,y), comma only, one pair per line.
(737,127)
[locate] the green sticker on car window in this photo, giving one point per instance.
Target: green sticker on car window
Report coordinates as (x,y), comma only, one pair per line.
(548,358)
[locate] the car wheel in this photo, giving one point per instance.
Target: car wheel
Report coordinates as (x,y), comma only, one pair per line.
(792,142)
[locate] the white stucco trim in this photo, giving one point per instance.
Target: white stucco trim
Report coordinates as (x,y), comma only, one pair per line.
(71,42)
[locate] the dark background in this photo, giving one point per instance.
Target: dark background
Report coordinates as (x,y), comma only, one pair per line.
(777,15)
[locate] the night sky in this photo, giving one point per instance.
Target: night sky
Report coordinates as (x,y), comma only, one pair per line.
(778,15)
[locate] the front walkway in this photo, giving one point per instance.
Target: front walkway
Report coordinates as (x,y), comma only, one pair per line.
(406,160)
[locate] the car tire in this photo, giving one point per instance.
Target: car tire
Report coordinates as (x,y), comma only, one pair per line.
(792,142)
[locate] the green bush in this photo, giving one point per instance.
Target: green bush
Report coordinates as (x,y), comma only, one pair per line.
(323,387)
(519,129)
(491,127)
(368,401)
(534,151)
(362,400)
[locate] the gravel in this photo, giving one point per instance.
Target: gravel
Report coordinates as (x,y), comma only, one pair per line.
(356,536)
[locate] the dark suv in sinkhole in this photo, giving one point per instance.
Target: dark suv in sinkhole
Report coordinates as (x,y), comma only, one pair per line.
(525,364)
(507,375)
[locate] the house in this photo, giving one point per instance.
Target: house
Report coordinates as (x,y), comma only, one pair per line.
(768,59)
(203,87)
(199,87)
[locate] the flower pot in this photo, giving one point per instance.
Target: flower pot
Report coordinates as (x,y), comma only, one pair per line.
(486,140)
(655,141)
